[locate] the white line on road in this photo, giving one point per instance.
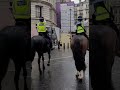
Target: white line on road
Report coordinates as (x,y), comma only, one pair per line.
(57,58)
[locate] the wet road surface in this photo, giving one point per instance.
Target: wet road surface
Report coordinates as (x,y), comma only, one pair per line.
(116,74)
(60,75)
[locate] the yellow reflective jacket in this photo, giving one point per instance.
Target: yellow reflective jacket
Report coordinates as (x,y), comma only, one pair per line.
(102,10)
(41,27)
(21,9)
(80,29)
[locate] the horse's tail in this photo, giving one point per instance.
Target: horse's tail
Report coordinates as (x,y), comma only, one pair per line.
(78,55)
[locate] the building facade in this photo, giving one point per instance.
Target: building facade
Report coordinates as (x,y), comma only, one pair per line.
(116,12)
(6,16)
(63,1)
(85,9)
(67,17)
(78,10)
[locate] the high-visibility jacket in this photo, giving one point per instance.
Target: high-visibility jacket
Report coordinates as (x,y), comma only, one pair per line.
(21,9)
(80,29)
(41,27)
(102,10)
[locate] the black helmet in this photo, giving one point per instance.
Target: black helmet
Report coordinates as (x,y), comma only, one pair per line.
(80,18)
(41,19)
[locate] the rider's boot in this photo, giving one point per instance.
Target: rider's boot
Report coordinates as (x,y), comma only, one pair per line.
(50,42)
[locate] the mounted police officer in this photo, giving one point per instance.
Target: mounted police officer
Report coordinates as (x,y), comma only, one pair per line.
(103,14)
(80,27)
(42,30)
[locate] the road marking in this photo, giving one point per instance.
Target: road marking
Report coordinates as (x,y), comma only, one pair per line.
(57,58)
(61,58)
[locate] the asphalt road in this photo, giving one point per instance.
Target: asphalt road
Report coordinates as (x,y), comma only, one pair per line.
(59,76)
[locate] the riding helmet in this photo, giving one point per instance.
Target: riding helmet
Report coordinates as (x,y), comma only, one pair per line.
(80,18)
(41,19)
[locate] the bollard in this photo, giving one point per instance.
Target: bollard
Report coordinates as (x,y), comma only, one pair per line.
(58,45)
(63,45)
(68,45)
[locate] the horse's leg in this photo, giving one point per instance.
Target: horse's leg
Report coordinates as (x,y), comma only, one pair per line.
(80,75)
(43,62)
(39,56)
(49,56)
(32,55)
(25,76)
(17,74)
(3,69)
(109,65)
(77,74)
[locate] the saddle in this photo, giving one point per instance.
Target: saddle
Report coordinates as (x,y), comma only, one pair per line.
(47,40)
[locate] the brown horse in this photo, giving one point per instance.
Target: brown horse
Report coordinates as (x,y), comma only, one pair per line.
(79,45)
(103,41)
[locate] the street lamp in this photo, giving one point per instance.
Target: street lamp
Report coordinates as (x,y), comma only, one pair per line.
(70,20)
(70,24)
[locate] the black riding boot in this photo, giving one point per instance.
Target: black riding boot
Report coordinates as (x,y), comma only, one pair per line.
(50,41)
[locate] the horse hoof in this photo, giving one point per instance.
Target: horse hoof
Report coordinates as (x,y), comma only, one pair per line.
(48,64)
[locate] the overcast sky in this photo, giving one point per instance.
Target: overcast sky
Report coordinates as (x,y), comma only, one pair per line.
(76,1)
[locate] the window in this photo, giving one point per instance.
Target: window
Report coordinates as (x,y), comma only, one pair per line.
(38,11)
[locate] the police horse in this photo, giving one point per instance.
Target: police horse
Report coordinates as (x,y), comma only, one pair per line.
(40,45)
(103,48)
(79,45)
(14,44)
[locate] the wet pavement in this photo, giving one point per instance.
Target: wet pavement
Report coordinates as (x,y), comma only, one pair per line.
(8,81)
(116,74)
(60,75)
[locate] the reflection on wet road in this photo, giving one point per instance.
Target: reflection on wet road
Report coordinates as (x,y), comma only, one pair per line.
(60,75)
